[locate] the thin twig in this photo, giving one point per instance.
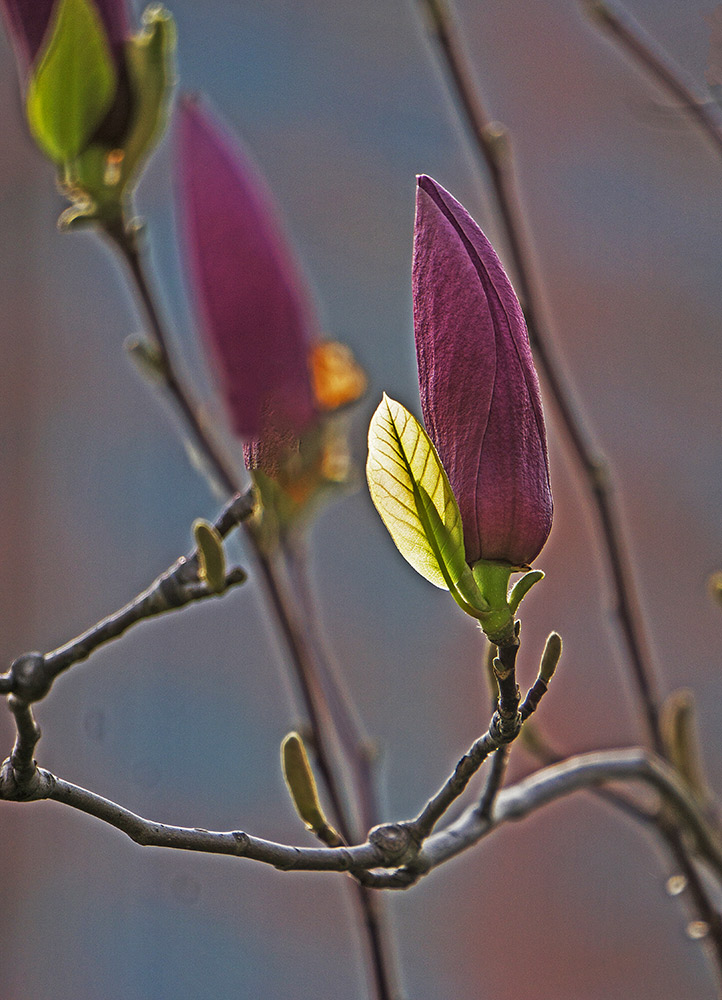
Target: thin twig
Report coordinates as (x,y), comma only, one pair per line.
(32,674)
(582,772)
(392,846)
(497,771)
(648,55)
(504,727)
(359,751)
(125,240)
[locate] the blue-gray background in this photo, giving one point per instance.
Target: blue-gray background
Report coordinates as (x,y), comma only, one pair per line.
(341,105)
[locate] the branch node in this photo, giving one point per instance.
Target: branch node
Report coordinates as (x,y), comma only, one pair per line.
(16,787)
(29,681)
(395,841)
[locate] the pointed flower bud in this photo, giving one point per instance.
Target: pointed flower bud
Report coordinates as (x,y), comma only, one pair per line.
(254,310)
(479,390)
(96,95)
(28,22)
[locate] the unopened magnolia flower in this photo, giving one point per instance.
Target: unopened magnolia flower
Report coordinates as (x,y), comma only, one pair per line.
(254,311)
(276,377)
(479,390)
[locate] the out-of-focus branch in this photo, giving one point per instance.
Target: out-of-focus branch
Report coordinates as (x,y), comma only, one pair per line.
(659,821)
(358,748)
(647,54)
(287,615)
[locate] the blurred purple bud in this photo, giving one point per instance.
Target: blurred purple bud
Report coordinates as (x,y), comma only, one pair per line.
(28,22)
(479,390)
(255,314)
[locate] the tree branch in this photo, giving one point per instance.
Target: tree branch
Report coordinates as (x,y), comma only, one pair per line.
(288,619)
(391,846)
(647,54)
(31,675)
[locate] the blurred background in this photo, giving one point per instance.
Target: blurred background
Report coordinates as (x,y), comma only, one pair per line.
(341,104)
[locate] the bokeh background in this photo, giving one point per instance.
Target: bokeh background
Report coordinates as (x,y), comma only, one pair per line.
(341,104)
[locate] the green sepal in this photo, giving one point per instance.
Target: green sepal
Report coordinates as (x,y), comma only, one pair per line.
(150,57)
(74,84)
(492,578)
(99,180)
(211,557)
(94,196)
(317,471)
(522,587)
(302,788)
(678,723)
(411,492)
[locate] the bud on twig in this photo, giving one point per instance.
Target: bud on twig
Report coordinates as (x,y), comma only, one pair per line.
(301,785)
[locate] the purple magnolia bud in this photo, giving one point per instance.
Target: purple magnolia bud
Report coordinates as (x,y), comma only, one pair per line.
(479,390)
(28,22)
(254,312)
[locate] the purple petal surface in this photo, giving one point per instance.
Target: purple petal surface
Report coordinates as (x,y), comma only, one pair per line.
(479,389)
(254,312)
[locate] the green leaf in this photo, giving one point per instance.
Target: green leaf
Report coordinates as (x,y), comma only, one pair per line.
(411,492)
(211,557)
(150,58)
(73,87)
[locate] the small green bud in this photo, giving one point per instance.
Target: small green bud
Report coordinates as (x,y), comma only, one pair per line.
(715,587)
(302,788)
(72,88)
(550,657)
(145,355)
(211,557)
(679,732)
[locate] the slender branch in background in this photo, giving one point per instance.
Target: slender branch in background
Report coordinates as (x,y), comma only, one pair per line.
(492,145)
(287,617)
(497,772)
(359,750)
(657,820)
(646,53)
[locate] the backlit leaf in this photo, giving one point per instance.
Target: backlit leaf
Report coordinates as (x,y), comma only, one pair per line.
(411,492)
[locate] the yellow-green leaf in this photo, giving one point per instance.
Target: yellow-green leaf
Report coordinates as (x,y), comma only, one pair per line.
(411,492)
(74,84)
